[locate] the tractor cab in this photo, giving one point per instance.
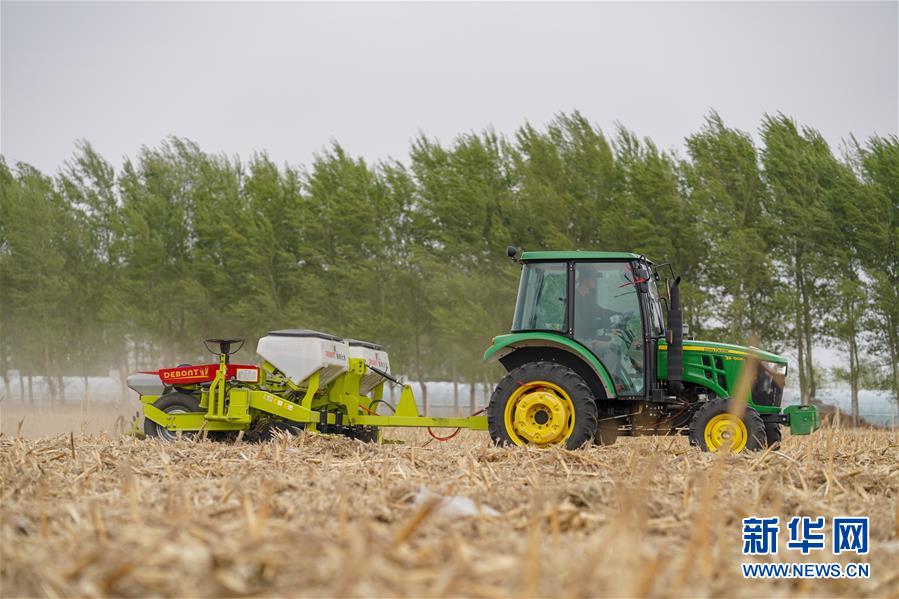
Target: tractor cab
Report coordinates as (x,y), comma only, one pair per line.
(605,304)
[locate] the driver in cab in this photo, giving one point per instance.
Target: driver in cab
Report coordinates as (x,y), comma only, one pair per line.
(589,316)
(604,331)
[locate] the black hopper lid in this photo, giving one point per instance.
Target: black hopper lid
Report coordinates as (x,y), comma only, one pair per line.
(304,333)
(368,344)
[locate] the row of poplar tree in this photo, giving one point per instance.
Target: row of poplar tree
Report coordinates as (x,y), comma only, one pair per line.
(785,241)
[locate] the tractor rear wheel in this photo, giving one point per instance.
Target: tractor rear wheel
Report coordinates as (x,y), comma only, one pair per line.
(542,404)
(172,403)
(714,428)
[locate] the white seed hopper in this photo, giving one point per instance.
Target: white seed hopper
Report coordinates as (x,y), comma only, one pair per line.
(300,353)
(374,355)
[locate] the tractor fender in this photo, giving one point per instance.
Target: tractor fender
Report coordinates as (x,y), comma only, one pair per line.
(519,348)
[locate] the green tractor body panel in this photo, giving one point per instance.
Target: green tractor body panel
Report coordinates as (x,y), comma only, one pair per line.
(726,349)
(803,419)
(716,367)
(506,344)
(577,255)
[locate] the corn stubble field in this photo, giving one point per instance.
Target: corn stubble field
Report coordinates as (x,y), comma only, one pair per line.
(105,515)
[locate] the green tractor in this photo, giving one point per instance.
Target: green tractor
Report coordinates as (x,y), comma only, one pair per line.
(592,356)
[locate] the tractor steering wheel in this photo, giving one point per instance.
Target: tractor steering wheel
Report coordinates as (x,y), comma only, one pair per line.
(604,321)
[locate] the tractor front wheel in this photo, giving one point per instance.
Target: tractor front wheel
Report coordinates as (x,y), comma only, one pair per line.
(542,404)
(714,428)
(172,403)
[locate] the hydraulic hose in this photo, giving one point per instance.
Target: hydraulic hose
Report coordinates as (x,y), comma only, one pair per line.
(456,432)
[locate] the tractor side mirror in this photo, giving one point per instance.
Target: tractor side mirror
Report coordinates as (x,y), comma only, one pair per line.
(513,252)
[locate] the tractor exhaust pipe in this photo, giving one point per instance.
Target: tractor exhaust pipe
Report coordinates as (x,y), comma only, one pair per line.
(675,340)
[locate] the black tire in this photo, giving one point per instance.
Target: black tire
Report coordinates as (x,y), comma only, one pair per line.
(172,403)
(366,434)
(568,380)
(266,431)
(772,433)
(752,420)
(606,432)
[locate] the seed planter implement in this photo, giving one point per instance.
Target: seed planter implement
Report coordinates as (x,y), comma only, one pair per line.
(306,380)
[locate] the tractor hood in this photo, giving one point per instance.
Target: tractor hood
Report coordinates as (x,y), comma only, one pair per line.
(713,347)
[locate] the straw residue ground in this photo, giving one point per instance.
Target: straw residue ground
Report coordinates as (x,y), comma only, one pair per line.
(316,516)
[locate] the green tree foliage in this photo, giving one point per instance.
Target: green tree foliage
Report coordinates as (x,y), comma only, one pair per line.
(878,242)
(802,175)
(39,235)
(128,269)
(730,196)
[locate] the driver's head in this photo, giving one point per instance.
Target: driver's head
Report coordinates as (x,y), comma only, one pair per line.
(586,280)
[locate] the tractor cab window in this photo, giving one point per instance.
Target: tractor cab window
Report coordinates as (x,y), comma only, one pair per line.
(607,320)
(655,307)
(542,297)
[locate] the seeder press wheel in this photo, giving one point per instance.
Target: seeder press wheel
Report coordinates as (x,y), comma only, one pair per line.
(172,403)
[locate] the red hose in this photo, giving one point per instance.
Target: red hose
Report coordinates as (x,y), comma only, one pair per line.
(430,432)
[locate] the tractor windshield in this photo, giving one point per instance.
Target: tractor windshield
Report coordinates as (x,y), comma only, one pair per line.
(542,297)
(607,320)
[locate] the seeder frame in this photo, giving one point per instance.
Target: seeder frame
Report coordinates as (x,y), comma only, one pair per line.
(236,405)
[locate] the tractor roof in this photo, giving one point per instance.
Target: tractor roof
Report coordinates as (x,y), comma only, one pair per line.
(578,255)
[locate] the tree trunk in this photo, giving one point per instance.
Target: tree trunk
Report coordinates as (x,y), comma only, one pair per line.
(123,378)
(30,389)
(472,396)
(807,337)
(85,398)
(455,391)
(803,396)
(853,371)
(424,397)
(894,355)
(47,373)
(421,376)
(51,387)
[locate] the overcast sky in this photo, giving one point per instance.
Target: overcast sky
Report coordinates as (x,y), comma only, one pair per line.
(288,78)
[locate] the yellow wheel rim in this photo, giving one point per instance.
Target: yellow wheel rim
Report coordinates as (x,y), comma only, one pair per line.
(726,430)
(539,413)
